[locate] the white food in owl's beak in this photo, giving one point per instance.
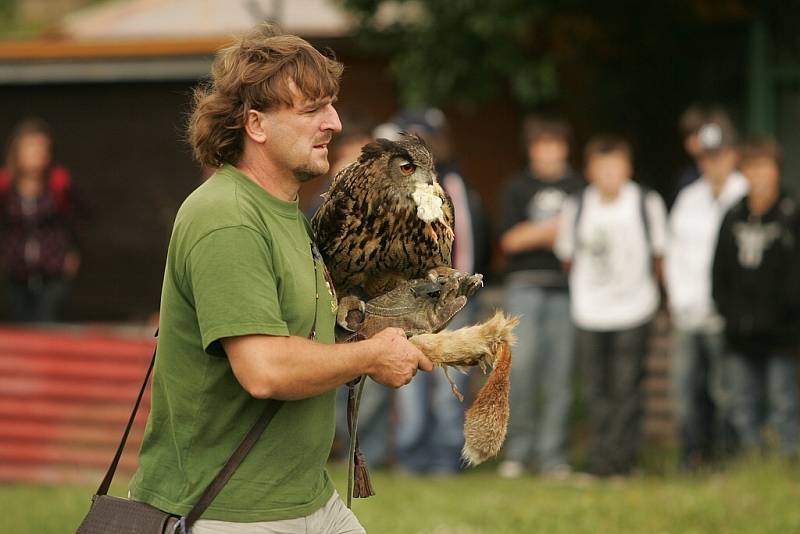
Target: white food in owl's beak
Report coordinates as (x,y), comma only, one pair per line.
(429,203)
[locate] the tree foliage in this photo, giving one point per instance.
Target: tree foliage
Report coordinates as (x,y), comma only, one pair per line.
(467,52)
(463,52)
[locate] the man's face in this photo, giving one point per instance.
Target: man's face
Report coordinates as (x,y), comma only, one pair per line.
(609,172)
(718,165)
(298,136)
(763,177)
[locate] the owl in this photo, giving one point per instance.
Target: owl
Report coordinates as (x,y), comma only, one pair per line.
(386,219)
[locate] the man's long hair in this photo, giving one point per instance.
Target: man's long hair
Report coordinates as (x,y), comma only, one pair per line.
(255,72)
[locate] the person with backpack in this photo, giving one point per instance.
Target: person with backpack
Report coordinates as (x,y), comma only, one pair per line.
(38,219)
(611,240)
(756,289)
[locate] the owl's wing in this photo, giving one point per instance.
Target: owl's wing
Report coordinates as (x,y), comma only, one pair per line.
(344,173)
(323,221)
(338,227)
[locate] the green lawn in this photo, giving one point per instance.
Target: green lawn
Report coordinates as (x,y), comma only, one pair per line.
(753,497)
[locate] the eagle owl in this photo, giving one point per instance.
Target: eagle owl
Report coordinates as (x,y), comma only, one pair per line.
(386,219)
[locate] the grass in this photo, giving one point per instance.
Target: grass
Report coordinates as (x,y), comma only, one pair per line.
(754,496)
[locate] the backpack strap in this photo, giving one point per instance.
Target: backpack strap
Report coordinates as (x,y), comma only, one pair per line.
(578,211)
(644,192)
(5,181)
(59,185)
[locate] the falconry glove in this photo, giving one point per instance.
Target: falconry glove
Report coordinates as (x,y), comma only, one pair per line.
(418,306)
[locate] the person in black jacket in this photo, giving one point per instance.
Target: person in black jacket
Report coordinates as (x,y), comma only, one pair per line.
(536,290)
(756,289)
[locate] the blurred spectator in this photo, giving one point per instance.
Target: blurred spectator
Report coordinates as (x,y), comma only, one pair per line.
(612,238)
(37,225)
(536,289)
(690,122)
(697,371)
(757,290)
(430,422)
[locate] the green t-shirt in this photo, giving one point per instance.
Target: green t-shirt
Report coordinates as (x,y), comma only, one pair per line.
(239,263)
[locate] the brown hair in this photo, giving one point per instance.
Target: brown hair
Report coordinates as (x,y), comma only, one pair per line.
(26,127)
(255,72)
(601,145)
(692,120)
(537,127)
(760,147)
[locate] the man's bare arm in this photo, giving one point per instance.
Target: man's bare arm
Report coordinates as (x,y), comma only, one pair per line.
(291,368)
(529,236)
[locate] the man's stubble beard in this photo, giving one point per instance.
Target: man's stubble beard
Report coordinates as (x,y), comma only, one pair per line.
(306,173)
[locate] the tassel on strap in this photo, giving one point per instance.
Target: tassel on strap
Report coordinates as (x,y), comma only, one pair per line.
(358,482)
(362,485)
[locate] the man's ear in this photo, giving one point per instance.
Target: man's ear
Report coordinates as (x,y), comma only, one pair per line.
(254,126)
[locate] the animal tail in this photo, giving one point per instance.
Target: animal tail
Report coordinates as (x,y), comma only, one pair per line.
(486,421)
(487,344)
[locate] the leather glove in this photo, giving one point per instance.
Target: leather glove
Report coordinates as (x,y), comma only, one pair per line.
(417,306)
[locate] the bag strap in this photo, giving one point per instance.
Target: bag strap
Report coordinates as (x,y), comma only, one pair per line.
(106,483)
(216,485)
(212,490)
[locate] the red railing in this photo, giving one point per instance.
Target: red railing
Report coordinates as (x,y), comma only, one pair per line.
(65,396)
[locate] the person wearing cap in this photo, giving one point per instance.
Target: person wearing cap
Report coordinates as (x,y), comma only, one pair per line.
(699,385)
(536,290)
(757,291)
(430,420)
(689,124)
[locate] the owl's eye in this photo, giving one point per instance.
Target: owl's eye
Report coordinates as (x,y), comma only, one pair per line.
(408,168)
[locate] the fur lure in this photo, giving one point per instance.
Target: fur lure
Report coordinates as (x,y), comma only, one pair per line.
(487,344)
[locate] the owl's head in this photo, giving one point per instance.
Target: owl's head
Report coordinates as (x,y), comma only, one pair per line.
(406,162)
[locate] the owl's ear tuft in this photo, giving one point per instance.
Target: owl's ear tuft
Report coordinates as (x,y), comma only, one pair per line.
(414,139)
(380,147)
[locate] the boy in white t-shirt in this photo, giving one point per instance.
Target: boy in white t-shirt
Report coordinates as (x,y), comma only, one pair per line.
(612,237)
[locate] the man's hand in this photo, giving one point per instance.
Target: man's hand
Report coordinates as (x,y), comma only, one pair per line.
(396,359)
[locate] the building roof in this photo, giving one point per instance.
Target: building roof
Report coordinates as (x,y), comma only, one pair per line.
(204,18)
(156,40)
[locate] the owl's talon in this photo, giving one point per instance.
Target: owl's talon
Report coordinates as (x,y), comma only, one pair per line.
(351,312)
(471,283)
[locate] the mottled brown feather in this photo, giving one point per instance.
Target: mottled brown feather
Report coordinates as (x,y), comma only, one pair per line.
(367,227)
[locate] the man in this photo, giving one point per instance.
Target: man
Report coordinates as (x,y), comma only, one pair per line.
(243,291)
(756,290)
(536,289)
(697,372)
